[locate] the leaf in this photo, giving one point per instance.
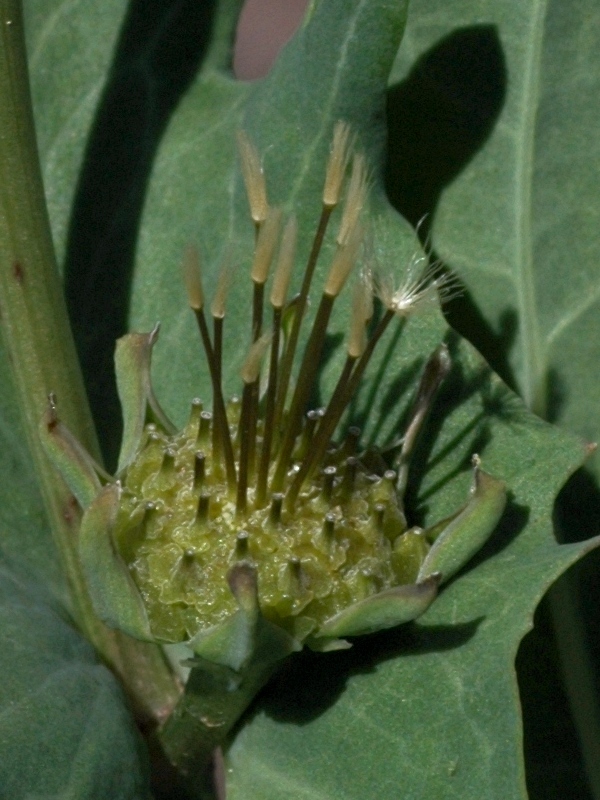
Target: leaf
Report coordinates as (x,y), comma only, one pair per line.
(387,609)
(469,530)
(104,82)
(115,596)
(431,711)
(69,45)
(294,137)
(132,369)
(491,102)
(69,457)
(196,183)
(65,730)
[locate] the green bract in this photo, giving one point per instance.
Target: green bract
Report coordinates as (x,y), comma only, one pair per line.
(253,530)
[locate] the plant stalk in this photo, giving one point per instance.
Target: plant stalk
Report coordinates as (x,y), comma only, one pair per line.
(214,700)
(38,339)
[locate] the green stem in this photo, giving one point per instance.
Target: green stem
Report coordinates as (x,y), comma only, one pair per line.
(40,347)
(214,700)
(231,663)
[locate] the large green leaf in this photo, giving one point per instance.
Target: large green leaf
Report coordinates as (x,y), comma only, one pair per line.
(65,730)
(197,170)
(105,79)
(454,670)
(428,712)
(494,102)
(432,711)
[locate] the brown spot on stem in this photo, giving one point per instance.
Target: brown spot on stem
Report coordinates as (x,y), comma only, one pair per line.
(50,415)
(71,510)
(18,272)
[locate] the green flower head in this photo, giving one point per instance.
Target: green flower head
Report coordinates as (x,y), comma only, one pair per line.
(258,521)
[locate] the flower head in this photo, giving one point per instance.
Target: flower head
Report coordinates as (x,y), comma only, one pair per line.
(255,507)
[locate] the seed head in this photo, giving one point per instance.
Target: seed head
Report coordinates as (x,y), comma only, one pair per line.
(266,245)
(285,263)
(257,507)
(217,307)
(423,288)
(362,311)
(345,258)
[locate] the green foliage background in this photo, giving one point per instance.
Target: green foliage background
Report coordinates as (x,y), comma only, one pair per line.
(491,132)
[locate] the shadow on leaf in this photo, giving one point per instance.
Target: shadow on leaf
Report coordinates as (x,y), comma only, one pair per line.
(310,683)
(440,116)
(472,437)
(160,48)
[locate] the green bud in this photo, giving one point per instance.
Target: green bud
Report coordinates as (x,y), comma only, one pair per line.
(383,610)
(115,597)
(470,529)
(138,402)
(69,457)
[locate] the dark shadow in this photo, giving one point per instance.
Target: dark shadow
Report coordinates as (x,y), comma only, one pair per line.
(372,404)
(310,683)
(557,394)
(550,740)
(577,508)
(358,414)
(463,315)
(456,390)
(159,51)
(406,379)
(577,518)
(439,117)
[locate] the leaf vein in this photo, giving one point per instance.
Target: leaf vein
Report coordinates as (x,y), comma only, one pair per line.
(324,128)
(573,315)
(533,355)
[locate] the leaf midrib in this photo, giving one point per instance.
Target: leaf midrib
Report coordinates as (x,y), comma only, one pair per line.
(534,354)
(325,127)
